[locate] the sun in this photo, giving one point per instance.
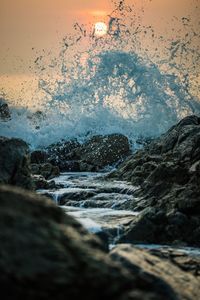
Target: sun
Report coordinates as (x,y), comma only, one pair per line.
(100,29)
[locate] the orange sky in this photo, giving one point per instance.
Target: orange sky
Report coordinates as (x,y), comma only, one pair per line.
(41,24)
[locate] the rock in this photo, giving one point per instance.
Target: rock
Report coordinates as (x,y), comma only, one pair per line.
(186,261)
(101,151)
(69,165)
(5,114)
(154,225)
(85,167)
(39,157)
(142,263)
(47,170)
(35,169)
(167,173)
(77,194)
(93,155)
(58,154)
(41,183)
(143,228)
(46,254)
(14,163)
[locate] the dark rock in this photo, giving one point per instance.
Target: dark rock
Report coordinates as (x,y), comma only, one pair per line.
(35,169)
(93,155)
(5,114)
(76,195)
(85,167)
(156,226)
(41,183)
(60,154)
(144,228)
(38,157)
(186,261)
(14,163)
(45,254)
(167,173)
(69,165)
(101,151)
(47,170)
(142,263)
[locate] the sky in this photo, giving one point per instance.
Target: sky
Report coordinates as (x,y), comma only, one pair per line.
(27,26)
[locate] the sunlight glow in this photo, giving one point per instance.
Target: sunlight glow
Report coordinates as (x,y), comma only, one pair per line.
(100,29)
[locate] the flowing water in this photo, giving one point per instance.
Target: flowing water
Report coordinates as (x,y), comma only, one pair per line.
(98,204)
(102,206)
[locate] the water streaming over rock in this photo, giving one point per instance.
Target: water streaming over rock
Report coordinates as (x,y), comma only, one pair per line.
(97,217)
(100,205)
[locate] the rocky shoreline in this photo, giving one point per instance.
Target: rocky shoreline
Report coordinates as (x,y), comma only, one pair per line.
(44,250)
(167,172)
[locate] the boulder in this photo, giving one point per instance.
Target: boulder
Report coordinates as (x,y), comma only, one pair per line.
(46,254)
(167,173)
(39,157)
(142,263)
(102,151)
(58,155)
(41,183)
(93,155)
(154,225)
(47,170)
(14,163)
(188,261)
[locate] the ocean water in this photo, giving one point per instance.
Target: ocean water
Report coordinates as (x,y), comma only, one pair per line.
(112,84)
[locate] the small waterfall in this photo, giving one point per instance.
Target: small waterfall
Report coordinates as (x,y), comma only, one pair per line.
(56,197)
(102,210)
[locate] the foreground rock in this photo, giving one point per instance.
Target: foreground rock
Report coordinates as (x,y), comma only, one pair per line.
(168,173)
(141,262)
(93,155)
(47,254)
(14,163)
(187,260)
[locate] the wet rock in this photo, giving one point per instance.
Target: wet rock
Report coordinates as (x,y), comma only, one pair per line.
(144,228)
(5,114)
(85,167)
(154,225)
(39,157)
(60,154)
(15,163)
(44,251)
(76,194)
(142,263)
(101,151)
(41,183)
(167,173)
(47,170)
(35,169)
(69,165)
(93,155)
(187,261)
